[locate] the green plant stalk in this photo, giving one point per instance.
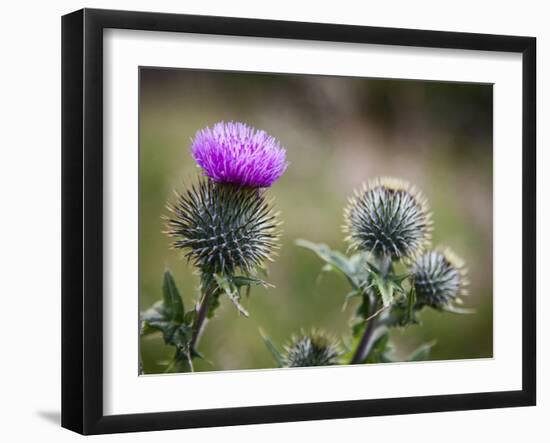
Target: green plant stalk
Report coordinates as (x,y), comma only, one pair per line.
(202,312)
(367,340)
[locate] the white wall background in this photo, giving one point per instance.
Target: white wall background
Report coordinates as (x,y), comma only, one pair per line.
(30,218)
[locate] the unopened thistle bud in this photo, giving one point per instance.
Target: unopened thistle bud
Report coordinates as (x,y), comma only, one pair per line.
(314,349)
(439,278)
(388,217)
(223,228)
(224,223)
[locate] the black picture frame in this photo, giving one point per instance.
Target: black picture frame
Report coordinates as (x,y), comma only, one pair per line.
(82,220)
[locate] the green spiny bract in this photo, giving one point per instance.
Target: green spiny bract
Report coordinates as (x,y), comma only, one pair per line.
(314,349)
(223,227)
(439,278)
(388,217)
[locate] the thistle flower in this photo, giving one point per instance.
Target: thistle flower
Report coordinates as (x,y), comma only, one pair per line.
(223,227)
(314,349)
(439,278)
(237,153)
(388,217)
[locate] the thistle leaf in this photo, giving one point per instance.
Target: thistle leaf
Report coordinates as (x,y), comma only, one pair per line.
(155,319)
(398,279)
(385,288)
(189,317)
(167,316)
(277,355)
(234,298)
(422,352)
(241,280)
(213,304)
(353,268)
(152,316)
(458,310)
(334,258)
(194,353)
(226,285)
(181,337)
(173,304)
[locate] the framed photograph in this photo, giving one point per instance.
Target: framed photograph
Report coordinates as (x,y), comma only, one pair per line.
(269,221)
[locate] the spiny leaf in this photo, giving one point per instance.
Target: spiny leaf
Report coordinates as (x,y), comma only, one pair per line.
(194,353)
(151,316)
(241,280)
(234,298)
(354,268)
(398,279)
(189,317)
(335,258)
(167,316)
(273,349)
(181,337)
(401,315)
(359,262)
(385,288)
(422,352)
(213,304)
(155,319)
(458,310)
(173,304)
(229,289)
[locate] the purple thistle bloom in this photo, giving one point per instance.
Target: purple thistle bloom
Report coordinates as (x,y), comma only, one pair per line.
(237,153)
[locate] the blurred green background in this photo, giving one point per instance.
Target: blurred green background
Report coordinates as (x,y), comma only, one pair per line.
(338,132)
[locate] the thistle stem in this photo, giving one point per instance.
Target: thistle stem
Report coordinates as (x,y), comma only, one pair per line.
(365,344)
(367,340)
(201,317)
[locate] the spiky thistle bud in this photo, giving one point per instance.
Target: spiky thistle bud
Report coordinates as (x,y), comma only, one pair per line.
(313,349)
(439,278)
(223,227)
(388,217)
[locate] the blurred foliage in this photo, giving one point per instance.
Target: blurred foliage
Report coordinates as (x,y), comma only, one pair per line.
(339,132)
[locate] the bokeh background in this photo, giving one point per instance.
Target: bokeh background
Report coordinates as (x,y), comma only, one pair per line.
(338,132)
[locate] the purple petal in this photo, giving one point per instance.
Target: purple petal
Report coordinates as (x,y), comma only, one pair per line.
(237,153)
